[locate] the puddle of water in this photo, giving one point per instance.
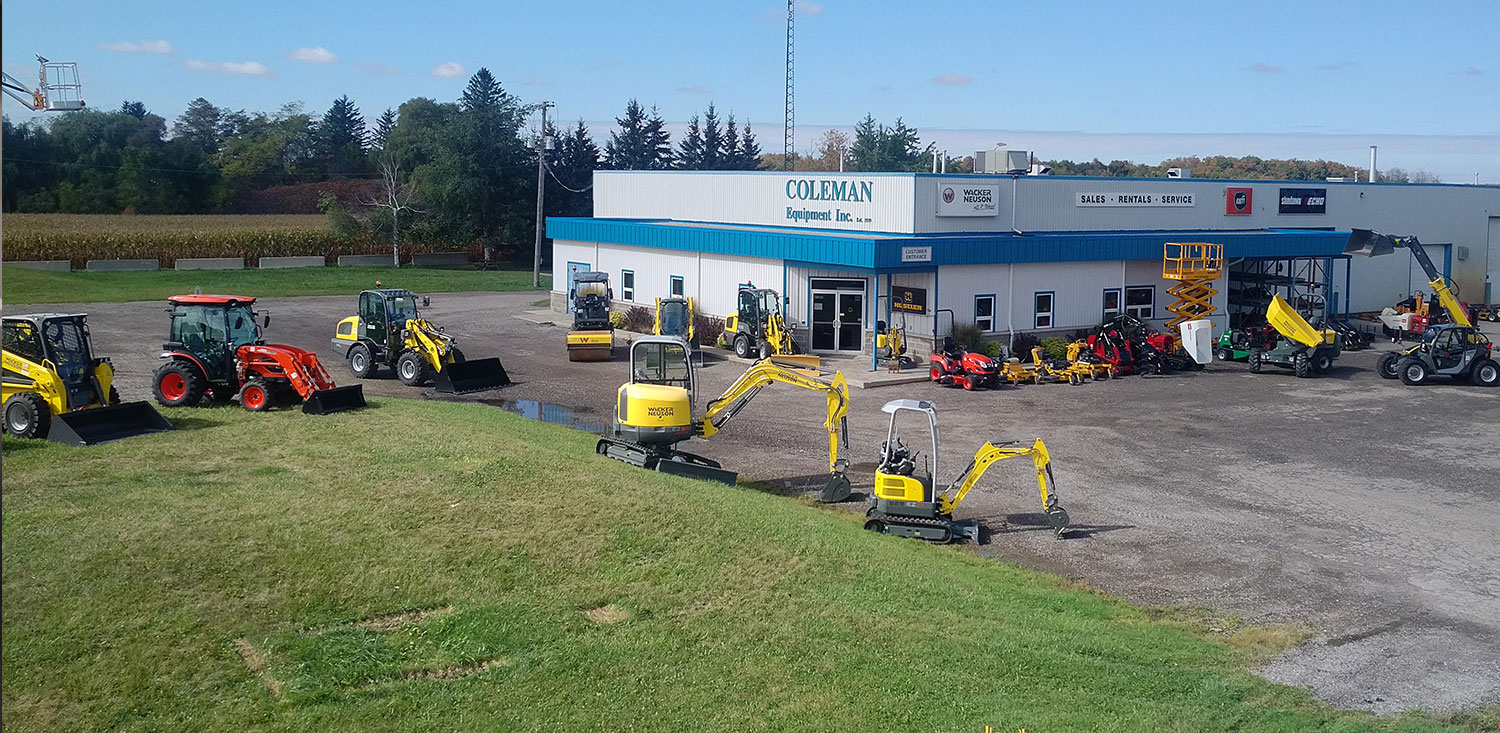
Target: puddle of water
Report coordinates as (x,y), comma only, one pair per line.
(548,412)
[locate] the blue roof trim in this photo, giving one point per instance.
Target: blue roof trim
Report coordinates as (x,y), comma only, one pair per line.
(1174,181)
(882,252)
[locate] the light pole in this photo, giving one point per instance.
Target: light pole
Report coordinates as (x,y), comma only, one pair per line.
(543,144)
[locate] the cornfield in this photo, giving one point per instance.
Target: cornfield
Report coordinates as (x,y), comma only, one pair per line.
(83,237)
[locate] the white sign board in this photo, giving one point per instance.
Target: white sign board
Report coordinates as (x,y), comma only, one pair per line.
(967,199)
(1136,199)
(916,254)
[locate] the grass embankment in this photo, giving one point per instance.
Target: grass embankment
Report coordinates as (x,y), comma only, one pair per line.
(432,566)
(39,286)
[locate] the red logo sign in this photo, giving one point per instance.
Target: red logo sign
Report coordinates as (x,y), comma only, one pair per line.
(1237,201)
(947,195)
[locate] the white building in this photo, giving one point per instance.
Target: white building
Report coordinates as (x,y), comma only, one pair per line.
(1013,254)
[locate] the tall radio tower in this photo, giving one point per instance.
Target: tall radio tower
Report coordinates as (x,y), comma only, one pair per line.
(789,135)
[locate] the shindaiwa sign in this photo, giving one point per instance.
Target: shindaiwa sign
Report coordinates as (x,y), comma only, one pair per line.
(810,200)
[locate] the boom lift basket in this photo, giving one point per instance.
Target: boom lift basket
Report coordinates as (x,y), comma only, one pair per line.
(104,424)
(463,377)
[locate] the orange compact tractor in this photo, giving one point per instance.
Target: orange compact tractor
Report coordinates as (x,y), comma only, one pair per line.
(214,350)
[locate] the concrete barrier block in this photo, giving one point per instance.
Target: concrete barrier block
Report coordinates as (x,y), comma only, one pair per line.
(440,259)
(210,263)
(123,266)
(281,263)
(364,260)
(50,265)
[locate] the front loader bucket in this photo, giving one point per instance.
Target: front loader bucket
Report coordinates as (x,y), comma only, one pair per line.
(1367,243)
(463,377)
(103,424)
(338,399)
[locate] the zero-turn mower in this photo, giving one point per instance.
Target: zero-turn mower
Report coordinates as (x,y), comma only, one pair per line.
(55,388)
(906,502)
(592,337)
(214,349)
(654,412)
(956,366)
(390,332)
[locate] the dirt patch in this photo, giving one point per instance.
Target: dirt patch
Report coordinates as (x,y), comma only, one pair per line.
(455,672)
(606,615)
(405,618)
(255,659)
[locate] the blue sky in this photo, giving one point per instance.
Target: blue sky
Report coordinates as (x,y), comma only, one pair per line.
(1135,80)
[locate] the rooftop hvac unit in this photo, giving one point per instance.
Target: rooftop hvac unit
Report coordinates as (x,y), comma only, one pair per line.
(1016,162)
(1179,173)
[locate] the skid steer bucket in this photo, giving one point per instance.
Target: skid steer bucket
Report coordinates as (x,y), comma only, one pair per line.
(463,377)
(103,424)
(338,399)
(1367,243)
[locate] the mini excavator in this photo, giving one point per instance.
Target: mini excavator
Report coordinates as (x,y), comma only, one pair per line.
(653,413)
(907,503)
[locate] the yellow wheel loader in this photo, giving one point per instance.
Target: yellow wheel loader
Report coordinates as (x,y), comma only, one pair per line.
(55,388)
(390,332)
(906,501)
(592,337)
(654,412)
(757,330)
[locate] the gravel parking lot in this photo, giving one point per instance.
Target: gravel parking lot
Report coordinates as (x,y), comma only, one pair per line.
(1362,509)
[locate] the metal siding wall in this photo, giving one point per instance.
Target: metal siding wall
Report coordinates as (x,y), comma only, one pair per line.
(960,283)
(653,269)
(1494,259)
(1078,289)
(564,252)
(722,274)
(1148,272)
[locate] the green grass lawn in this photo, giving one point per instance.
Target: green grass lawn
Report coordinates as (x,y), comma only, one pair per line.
(435,566)
(37,286)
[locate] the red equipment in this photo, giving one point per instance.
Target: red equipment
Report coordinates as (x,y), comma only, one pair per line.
(215,350)
(957,367)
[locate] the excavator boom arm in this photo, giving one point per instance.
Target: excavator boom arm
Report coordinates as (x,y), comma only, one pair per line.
(1368,243)
(987,455)
(766,371)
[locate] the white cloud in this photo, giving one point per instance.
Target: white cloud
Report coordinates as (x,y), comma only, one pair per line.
(953,80)
(696,89)
(314,55)
(240,68)
(809,8)
(142,47)
(448,70)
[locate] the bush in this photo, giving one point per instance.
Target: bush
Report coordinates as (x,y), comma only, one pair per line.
(994,349)
(616,319)
(1021,345)
(968,336)
(1056,348)
(639,319)
(340,222)
(707,329)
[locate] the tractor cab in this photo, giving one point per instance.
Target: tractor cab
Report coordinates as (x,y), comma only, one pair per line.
(756,307)
(383,313)
(899,486)
(211,327)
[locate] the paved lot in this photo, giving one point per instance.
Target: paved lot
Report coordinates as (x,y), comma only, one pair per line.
(1359,507)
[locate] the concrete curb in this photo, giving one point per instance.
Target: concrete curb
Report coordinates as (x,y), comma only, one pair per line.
(49,265)
(210,263)
(282,263)
(123,265)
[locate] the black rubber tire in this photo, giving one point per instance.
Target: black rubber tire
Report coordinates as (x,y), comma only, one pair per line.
(1302,366)
(192,382)
(765,350)
(411,369)
(742,346)
(1322,363)
(1413,371)
(361,362)
(262,402)
(875,525)
(1224,355)
(1386,367)
(1255,361)
(114,395)
(458,354)
(27,416)
(1486,373)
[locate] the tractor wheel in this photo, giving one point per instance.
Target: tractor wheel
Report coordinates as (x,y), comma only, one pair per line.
(1413,371)
(361,362)
(256,396)
(177,384)
(937,374)
(1255,361)
(1387,365)
(742,346)
(114,395)
(765,350)
(969,384)
(1486,373)
(411,369)
(458,354)
(1225,355)
(1302,366)
(27,415)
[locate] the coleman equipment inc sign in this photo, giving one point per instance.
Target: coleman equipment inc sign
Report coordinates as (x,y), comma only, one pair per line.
(967,199)
(909,300)
(1136,199)
(1238,201)
(827,201)
(1303,201)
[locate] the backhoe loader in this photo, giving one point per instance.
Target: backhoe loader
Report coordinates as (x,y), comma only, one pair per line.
(653,413)
(758,330)
(907,503)
(388,331)
(55,388)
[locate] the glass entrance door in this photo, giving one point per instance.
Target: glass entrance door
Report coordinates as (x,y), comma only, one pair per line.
(851,321)
(838,308)
(825,321)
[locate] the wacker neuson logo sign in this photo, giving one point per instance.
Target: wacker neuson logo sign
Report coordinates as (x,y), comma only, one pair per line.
(812,190)
(967,199)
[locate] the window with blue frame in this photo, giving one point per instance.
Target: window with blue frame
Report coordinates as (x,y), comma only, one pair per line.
(984,313)
(627,285)
(1140,301)
(1111,303)
(677,288)
(1042,309)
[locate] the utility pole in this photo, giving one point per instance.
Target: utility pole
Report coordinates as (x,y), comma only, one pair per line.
(544,143)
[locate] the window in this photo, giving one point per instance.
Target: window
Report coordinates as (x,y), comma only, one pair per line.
(1138,301)
(627,285)
(677,288)
(1043,309)
(1111,303)
(21,338)
(984,312)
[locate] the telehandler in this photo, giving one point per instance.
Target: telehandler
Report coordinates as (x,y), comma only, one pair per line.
(758,330)
(654,412)
(907,503)
(390,332)
(55,388)
(592,337)
(214,349)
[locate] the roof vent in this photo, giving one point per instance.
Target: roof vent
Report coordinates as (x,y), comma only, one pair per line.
(1179,173)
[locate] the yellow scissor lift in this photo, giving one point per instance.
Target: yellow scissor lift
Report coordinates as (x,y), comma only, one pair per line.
(1196,266)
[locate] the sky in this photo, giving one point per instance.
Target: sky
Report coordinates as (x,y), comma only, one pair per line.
(1140,81)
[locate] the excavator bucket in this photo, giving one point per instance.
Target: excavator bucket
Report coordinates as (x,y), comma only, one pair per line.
(103,424)
(836,490)
(1367,243)
(338,399)
(463,377)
